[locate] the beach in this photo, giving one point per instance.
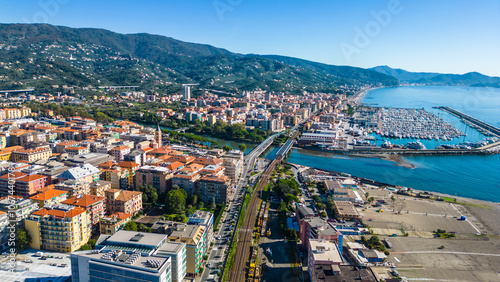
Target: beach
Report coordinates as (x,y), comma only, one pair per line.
(358,96)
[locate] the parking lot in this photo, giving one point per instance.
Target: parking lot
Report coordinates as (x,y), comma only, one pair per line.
(459,260)
(418,217)
(56,267)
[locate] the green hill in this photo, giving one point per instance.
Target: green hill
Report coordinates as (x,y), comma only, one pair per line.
(42,55)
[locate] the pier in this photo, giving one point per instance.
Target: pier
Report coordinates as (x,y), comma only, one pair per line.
(482,126)
(486,150)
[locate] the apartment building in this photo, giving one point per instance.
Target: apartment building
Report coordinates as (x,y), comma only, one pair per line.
(49,197)
(6,153)
(123,201)
(119,177)
(94,205)
(74,187)
(84,173)
(73,151)
(132,168)
(31,155)
(156,176)
(193,237)
(186,182)
(29,185)
(119,152)
(59,228)
(99,187)
(178,255)
(109,225)
(214,187)
(324,260)
(7,182)
(19,207)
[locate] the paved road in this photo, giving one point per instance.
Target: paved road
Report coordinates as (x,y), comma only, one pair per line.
(217,255)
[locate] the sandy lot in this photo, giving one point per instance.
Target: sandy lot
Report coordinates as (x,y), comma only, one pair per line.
(460,260)
(424,216)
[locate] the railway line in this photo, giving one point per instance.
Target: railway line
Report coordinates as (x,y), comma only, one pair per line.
(244,243)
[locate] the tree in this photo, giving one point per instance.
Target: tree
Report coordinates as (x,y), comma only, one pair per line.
(131,226)
(149,193)
(374,240)
(242,147)
(329,202)
(367,195)
(371,199)
(194,199)
(213,206)
(23,239)
(227,148)
(175,201)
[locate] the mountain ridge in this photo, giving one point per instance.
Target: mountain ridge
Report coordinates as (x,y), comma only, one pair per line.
(99,57)
(445,79)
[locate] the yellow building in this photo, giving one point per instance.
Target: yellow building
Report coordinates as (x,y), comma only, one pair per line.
(25,112)
(118,177)
(212,119)
(59,228)
(6,153)
(131,167)
(31,155)
(192,236)
(12,113)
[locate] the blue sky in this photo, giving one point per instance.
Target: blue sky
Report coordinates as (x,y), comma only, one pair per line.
(438,36)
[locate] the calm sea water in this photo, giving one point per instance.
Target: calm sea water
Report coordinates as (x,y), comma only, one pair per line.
(475,177)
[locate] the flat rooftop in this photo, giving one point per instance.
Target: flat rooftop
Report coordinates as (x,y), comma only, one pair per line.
(322,227)
(325,251)
(345,208)
(126,260)
(171,247)
(141,239)
(38,270)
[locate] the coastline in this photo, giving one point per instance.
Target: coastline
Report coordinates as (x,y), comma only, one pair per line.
(459,199)
(395,158)
(358,96)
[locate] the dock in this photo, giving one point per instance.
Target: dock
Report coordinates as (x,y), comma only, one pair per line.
(481,126)
(486,150)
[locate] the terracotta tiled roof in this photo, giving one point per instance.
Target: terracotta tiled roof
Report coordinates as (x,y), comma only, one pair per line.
(127,164)
(84,201)
(174,165)
(121,215)
(16,174)
(48,194)
(10,149)
(208,161)
(108,164)
(59,213)
(30,178)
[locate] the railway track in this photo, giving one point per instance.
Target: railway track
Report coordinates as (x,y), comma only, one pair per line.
(244,243)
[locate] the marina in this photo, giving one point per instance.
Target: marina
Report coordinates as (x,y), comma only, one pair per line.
(414,123)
